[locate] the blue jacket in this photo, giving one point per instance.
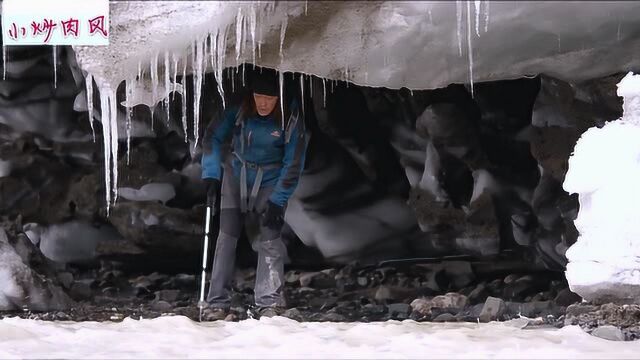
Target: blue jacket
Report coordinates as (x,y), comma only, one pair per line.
(265,144)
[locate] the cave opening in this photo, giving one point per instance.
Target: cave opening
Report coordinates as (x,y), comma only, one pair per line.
(405,194)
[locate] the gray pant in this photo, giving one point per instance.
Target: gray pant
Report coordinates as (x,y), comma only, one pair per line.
(268,243)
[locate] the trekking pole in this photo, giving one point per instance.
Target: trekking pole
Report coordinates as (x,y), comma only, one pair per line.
(207,223)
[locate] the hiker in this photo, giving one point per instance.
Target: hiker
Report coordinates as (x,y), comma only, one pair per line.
(259,177)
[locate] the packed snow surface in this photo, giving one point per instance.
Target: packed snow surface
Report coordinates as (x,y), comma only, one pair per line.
(179,337)
(605,171)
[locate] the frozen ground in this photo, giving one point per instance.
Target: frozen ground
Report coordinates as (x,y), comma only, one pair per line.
(179,337)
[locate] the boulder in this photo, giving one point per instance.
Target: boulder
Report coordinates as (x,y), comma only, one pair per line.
(492,310)
(22,287)
(608,332)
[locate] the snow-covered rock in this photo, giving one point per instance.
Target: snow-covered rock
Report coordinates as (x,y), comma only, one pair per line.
(605,171)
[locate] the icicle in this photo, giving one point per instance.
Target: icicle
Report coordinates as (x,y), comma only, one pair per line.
(244,66)
(197,88)
(239,23)
(305,7)
(174,77)
(233,81)
(167,85)
(477,4)
(113,119)
(183,82)
(459,25)
(324,92)
(88,81)
(430,17)
(302,92)
(221,49)
(55,67)
(486,15)
(109,112)
(311,86)
(106,137)
(470,50)
(253,24)
(129,109)
(4,61)
(281,77)
(139,71)
(154,78)
(283,30)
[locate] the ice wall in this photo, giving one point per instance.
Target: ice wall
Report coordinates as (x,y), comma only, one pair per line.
(604,264)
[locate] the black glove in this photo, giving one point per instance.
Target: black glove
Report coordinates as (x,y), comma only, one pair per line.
(273,217)
(213,189)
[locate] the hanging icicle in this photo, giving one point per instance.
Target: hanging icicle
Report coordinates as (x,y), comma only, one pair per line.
(109,117)
(221,49)
(324,92)
(4,62)
(253,24)
(477,4)
(302,93)
(167,86)
(486,15)
(197,90)
(459,25)
(281,79)
(106,137)
(183,83)
(113,127)
(239,27)
(55,67)
(154,77)
(88,82)
(470,48)
(283,30)
(129,113)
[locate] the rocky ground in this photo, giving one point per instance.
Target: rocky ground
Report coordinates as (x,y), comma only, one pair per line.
(453,291)
(442,292)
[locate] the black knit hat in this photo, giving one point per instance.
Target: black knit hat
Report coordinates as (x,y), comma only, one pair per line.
(265,82)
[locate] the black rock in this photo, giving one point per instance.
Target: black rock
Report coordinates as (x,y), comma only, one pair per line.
(479,294)
(293,314)
(167,295)
(492,310)
(399,310)
(374,309)
(161,306)
(567,297)
(445,317)
(80,290)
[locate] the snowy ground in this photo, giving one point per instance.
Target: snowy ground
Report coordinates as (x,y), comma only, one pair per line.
(179,337)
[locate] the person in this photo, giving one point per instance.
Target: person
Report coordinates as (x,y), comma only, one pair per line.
(268,154)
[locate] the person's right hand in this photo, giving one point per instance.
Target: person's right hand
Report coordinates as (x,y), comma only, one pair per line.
(213,189)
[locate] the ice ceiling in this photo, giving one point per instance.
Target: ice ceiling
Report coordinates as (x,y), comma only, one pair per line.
(414,44)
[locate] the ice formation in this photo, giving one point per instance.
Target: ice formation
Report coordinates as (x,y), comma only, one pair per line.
(604,264)
(375,44)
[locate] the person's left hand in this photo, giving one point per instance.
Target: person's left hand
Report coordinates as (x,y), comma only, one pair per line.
(273,217)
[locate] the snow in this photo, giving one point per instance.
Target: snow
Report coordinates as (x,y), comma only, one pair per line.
(278,338)
(162,192)
(605,171)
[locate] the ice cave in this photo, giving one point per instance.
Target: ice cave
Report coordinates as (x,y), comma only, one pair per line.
(468,161)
